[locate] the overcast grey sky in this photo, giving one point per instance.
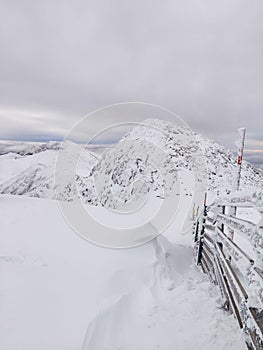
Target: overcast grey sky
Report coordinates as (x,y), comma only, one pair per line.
(201,59)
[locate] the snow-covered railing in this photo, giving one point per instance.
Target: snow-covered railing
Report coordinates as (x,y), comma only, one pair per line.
(242,199)
(237,270)
(243,227)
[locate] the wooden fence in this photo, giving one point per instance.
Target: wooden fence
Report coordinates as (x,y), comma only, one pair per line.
(236,268)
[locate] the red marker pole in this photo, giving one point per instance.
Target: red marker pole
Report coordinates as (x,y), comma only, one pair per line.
(240,144)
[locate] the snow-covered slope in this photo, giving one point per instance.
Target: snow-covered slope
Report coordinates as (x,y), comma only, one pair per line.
(27,148)
(55,286)
(29,168)
(147,159)
(133,161)
(222,169)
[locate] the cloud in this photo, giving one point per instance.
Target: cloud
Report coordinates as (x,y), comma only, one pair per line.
(62,59)
(255,158)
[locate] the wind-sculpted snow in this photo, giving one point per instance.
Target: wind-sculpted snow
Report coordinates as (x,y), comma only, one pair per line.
(175,308)
(54,287)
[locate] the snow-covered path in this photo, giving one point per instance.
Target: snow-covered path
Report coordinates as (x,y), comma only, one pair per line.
(178,309)
(55,286)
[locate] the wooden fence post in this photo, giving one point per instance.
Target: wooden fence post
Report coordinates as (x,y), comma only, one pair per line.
(201,239)
(196,231)
(223,212)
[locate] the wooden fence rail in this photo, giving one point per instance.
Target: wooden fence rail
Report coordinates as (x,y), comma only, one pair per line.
(237,272)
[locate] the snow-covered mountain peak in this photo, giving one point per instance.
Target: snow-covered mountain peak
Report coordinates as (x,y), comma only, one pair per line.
(147,159)
(149,156)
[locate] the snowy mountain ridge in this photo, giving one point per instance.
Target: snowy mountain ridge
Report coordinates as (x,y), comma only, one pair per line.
(148,159)
(182,150)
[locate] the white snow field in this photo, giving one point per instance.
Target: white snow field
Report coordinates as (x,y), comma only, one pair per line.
(60,292)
